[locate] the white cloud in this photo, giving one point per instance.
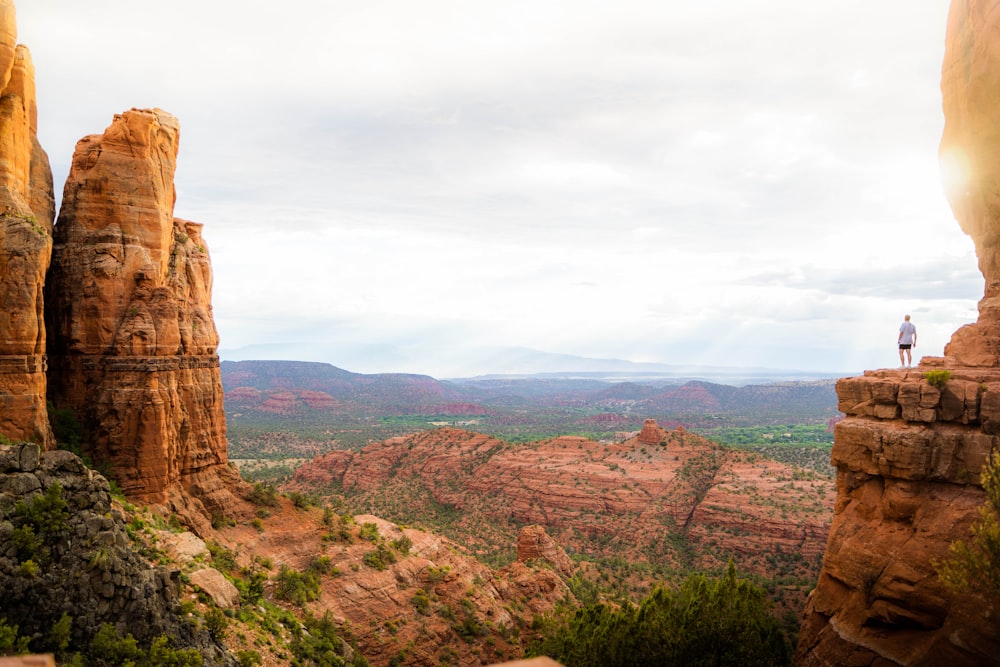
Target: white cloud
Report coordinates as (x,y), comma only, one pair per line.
(728,181)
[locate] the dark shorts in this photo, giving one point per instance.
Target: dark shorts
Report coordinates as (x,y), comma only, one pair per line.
(905,346)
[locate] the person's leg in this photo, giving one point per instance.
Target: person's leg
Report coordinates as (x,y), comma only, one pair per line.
(909,357)
(901,358)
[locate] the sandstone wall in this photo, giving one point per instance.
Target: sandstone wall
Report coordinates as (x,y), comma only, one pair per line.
(26,212)
(908,457)
(132,342)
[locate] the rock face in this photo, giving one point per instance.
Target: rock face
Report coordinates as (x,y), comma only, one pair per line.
(26,212)
(908,457)
(909,454)
(80,560)
(428,603)
(132,343)
(970,87)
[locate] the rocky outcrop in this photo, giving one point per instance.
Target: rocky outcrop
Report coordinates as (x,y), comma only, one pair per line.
(132,342)
(909,453)
(533,543)
(65,550)
(423,601)
(651,434)
(26,212)
(908,457)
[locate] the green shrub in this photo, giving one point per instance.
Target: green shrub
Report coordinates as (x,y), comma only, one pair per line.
(380,559)
(402,545)
(263,494)
(10,642)
(302,500)
(722,622)
(39,523)
(321,645)
(297,587)
(938,378)
(369,531)
(249,658)
(975,565)
(216,623)
(421,601)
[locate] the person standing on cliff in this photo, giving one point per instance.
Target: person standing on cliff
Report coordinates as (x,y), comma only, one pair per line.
(907,340)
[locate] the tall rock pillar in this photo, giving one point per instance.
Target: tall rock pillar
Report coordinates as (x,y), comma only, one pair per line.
(909,452)
(26,212)
(132,342)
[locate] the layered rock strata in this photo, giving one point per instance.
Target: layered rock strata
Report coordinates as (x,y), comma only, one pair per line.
(616,500)
(26,212)
(909,453)
(132,343)
(908,457)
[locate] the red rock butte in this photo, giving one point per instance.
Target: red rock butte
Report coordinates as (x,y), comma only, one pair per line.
(131,339)
(909,453)
(26,212)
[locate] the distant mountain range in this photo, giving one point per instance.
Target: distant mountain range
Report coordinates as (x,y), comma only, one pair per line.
(525,362)
(297,393)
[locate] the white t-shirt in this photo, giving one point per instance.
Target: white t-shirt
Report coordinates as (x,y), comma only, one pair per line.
(909,330)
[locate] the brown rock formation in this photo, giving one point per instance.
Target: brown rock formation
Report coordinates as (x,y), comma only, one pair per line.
(617,500)
(651,434)
(26,210)
(908,454)
(533,543)
(131,337)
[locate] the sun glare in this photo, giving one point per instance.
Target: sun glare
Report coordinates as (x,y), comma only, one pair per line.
(955,171)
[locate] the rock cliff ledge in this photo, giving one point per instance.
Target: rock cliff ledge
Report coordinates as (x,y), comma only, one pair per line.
(909,453)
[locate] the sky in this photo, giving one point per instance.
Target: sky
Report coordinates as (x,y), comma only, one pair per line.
(399,186)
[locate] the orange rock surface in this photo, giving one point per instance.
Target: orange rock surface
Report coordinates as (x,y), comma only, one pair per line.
(432,604)
(621,500)
(132,342)
(970,87)
(909,454)
(26,211)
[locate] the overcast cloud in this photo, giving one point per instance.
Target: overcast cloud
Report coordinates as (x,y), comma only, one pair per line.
(395,186)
